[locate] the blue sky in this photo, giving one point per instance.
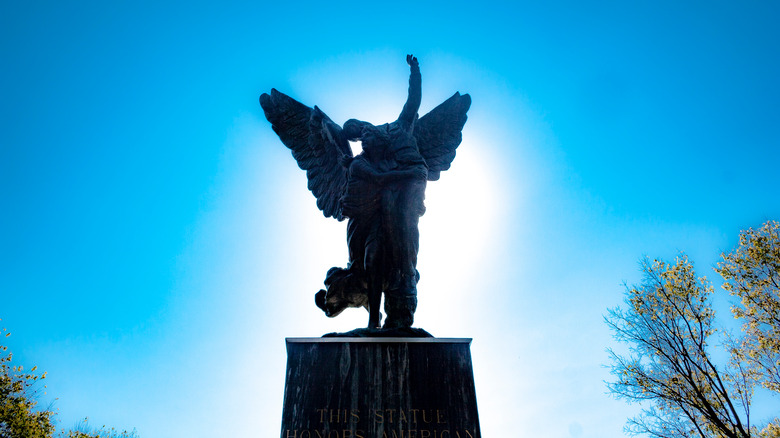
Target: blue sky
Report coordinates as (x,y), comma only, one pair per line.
(158,242)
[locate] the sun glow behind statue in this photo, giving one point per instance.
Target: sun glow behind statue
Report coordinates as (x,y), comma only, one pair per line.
(457,237)
(458,233)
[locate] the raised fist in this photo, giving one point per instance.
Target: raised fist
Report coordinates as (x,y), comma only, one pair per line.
(412,61)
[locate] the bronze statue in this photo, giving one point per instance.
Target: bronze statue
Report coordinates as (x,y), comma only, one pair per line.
(381,191)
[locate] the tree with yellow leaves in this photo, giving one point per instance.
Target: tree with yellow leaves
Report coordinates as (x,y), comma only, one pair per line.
(752,274)
(19,417)
(667,325)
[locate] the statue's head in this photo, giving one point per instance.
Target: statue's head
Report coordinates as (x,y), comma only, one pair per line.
(374,139)
(353,129)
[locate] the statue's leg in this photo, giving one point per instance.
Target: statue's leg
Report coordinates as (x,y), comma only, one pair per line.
(373,262)
(374,300)
(401,296)
(400,305)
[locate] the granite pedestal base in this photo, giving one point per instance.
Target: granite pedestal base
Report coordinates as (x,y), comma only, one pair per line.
(379,388)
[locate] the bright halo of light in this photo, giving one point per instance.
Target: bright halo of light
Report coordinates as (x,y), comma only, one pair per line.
(457,236)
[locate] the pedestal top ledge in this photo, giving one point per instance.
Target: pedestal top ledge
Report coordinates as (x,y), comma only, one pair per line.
(379,340)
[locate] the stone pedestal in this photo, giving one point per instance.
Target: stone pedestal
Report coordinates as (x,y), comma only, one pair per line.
(379,388)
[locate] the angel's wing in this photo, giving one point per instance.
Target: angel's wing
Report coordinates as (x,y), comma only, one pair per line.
(438,133)
(317,144)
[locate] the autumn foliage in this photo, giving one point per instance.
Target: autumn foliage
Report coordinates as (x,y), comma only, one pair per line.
(20,416)
(668,325)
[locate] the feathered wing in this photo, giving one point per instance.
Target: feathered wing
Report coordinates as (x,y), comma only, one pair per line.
(438,133)
(317,144)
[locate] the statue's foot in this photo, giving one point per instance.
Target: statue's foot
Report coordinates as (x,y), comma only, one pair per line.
(399,307)
(375,321)
(396,322)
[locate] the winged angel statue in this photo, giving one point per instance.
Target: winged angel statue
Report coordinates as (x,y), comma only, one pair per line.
(380,191)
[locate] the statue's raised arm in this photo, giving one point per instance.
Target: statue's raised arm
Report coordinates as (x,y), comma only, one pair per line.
(409,113)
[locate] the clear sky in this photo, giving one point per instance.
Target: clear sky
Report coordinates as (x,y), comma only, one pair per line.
(158,242)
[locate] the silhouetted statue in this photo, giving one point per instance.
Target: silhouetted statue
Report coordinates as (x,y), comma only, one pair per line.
(381,191)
